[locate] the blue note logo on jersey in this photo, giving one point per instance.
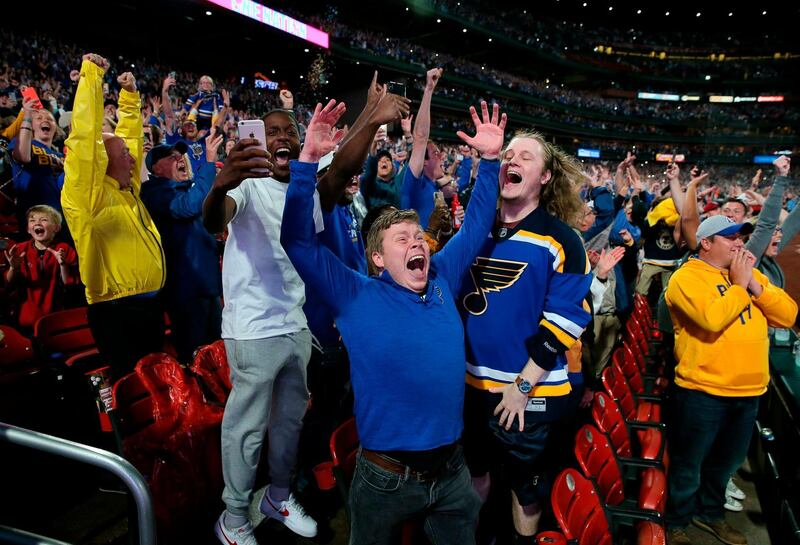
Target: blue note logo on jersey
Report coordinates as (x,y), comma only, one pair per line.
(490,275)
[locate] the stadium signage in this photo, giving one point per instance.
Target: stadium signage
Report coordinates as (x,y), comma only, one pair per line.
(590,153)
(276,19)
(669,157)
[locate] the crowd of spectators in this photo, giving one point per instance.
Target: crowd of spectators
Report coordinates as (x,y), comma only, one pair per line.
(713,118)
(578,42)
(141,183)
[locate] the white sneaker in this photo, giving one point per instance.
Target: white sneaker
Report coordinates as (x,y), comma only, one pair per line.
(734,491)
(243,535)
(290,513)
(732,504)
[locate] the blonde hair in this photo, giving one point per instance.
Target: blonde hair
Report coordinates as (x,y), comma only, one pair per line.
(382,223)
(54,214)
(560,196)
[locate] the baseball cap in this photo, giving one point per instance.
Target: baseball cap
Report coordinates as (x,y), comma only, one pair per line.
(709,207)
(721,225)
(383,153)
(164,150)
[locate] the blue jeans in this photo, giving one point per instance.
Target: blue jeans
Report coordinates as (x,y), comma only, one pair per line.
(709,437)
(380,501)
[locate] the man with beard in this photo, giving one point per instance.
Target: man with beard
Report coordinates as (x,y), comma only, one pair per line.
(526,287)
(194,284)
(265,331)
(425,164)
(408,384)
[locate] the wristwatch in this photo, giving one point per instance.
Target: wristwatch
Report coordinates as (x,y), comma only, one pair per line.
(523,385)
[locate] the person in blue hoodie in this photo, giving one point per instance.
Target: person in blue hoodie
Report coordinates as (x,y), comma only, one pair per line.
(194,281)
(408,371)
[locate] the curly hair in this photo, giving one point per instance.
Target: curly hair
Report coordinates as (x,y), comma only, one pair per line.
(560,195)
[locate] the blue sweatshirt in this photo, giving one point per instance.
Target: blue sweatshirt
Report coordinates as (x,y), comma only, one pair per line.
(462,173)
(417,193)
(191,252)
(406,350)
(343,238)
(604,208)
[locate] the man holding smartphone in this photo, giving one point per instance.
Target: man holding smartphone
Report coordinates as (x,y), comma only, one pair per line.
(265,331)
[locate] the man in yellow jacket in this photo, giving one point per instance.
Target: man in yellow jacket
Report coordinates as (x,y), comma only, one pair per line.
(119,247)
(721,307)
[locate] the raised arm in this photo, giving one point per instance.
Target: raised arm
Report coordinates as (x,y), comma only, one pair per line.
(422,127)
(86,161)
(351,155)
(166,103)
(129,127)
(673,175)
(690,217)
(455,258)
(247,159)
(316,265)
(22,151)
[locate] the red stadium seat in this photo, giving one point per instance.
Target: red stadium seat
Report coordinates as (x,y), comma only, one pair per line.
(64,333)
(578,509)
(210,366)
(344,448)
(639,382)
(608,418)
(598,461)
(640,408)
(15,349)
(172,436)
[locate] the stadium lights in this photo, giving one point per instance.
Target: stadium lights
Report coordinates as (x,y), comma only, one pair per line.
(208,13)
(667,14)
(708,78)
(638,12)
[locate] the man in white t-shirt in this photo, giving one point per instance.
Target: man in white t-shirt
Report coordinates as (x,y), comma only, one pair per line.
(266,336)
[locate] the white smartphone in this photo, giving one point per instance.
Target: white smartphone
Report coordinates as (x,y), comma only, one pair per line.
(254,128)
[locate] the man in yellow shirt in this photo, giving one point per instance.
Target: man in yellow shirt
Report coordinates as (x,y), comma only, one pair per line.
(118,245)
(721,307)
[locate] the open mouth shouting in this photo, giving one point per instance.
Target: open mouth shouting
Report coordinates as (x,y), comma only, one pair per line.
(417,266)
(39,231)
(281,156)
(512,176)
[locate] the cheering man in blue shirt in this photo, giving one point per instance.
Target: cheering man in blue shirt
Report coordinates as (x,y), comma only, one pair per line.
(408,383)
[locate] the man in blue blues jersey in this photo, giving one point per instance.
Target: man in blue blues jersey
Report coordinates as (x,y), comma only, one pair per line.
(522,305)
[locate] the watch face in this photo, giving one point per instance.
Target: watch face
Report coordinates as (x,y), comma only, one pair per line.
(525,387)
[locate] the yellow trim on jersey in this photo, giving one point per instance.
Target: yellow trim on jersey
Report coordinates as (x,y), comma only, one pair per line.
(565,338)
(549,242)
(541,390)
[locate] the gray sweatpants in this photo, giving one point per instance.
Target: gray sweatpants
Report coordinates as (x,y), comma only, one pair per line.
(269,393)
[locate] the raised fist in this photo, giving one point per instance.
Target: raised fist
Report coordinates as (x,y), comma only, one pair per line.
(127,82)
